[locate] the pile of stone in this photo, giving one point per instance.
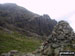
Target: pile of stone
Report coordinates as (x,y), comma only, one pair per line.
(62,36)
(62,33)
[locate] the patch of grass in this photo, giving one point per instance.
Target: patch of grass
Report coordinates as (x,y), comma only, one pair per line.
(69,47)
(16,41)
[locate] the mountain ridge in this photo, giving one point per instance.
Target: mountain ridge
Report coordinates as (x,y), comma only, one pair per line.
(12,15)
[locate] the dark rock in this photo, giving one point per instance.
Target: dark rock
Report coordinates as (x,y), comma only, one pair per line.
(12,52)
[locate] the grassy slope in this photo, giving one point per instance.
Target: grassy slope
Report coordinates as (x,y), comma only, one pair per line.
(18,42)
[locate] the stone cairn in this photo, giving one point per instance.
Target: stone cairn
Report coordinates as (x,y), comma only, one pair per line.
(61,39)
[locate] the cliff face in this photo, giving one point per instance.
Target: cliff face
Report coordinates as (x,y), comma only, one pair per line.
(17,18)
(42,25)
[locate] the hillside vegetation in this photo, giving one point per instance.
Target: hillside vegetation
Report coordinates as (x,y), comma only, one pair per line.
(16,41)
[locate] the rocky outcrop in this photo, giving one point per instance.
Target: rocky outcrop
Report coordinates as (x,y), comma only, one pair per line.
(42,25)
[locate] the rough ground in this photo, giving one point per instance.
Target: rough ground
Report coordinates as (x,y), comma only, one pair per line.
(61,39)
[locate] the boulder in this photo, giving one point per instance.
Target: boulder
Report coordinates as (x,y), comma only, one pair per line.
(13,52)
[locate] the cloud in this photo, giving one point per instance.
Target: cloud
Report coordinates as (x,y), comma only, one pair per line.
(72,21)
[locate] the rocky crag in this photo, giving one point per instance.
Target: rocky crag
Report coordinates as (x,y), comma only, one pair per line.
(61,39)
(14,17)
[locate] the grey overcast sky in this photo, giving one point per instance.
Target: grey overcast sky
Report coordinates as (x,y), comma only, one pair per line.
(56,9)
